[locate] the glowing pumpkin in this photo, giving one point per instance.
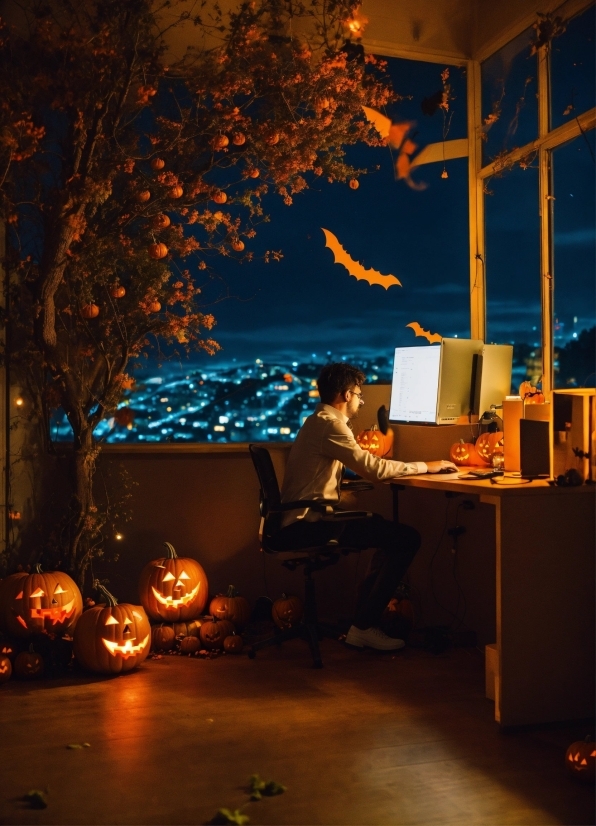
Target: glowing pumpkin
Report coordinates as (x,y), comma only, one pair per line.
(530,394)
(5,669)
(487,444)
(176,192)
(238,139)
(375,442)
(154,307)
(354,184)
(220,141)
(38,602)
(112,638)
(157,164)
(233,644)
(214,633)
(28,665)
(237,245)
(143,196)
(187,629)
(219,197)
(173,588)
(157,251)
(231,607)
(580,760)
(464,454)
(287,611)
(188,645)
(89,310)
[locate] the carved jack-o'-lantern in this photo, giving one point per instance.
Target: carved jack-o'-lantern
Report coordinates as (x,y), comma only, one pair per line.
(375,442)
(189,645)
(231,607)
(5,669)
(464,454)
(38,602)
(487,444)
(215,632)
(580,760)
(28,665)
(173,588)
(112,638)
(287,611)
(530,394)
(188,629)
(162,638)
(233,644)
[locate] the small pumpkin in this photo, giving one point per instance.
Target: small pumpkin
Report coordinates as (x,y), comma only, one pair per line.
(213,633)
(143,196)
(187,629)
(28,665)
(188,645)
(7,649)
(176,192)
(173,588)
(487,444)
(157,164)
(112,638)
(38,602)
(238,139)
(117,291)
(157,251)
(160,221)
(287,611)
(253,173)
(219,197)
(220,141)
(89,310)
(237,245)
(272,139)
(375,441)
(464,454)
(580,760)
(154,307)
(231,607)
(530,394)
(5,669)
(163,638)
(233,644)
(354,183)
(124,416)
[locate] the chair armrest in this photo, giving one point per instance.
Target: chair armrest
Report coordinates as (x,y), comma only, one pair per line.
(352,515)
(356,485)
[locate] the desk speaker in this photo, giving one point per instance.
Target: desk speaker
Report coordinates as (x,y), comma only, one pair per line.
(534,448)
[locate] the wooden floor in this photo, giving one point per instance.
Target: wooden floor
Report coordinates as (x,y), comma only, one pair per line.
(370,739)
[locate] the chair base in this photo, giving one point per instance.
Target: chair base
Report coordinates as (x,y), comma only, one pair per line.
(309,632)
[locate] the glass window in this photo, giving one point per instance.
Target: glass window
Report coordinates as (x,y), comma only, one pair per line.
(573,83)
(509,97)
(574,264)
(513,308)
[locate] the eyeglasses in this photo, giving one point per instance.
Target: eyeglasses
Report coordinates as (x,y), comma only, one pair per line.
(356,393)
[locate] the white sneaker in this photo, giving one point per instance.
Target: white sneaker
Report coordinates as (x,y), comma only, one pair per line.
(372,638)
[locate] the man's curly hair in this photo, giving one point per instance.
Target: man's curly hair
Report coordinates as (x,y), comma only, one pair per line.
(335,379)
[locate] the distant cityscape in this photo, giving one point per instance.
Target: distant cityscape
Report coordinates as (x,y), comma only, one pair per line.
(265,400)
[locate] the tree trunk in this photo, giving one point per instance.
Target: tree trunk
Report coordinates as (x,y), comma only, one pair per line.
(84,510)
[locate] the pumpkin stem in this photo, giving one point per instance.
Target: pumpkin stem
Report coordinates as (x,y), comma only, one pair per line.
(111,599)
(171,552)
(232,592)
(37,569)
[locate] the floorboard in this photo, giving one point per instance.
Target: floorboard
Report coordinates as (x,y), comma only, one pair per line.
(370,739)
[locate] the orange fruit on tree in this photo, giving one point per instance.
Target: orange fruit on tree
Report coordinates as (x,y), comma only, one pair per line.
(160,221)
(158,251)
(157,164)
(89,310)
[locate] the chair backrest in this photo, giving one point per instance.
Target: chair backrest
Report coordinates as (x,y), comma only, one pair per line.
(270,496)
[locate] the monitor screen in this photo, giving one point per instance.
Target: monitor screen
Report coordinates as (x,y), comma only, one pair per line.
(415,384)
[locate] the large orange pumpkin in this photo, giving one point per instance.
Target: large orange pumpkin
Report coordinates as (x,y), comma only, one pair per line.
(487,444)
(38,602)
(375,441)
(287,611)
(231,607)
(112,638)
(215,632)
(580,760)
(173,588)
(464,454)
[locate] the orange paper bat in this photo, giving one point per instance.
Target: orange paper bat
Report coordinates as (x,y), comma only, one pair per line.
(354,267)
(430,337)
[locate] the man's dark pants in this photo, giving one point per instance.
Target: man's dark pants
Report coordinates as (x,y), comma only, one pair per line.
(396,547)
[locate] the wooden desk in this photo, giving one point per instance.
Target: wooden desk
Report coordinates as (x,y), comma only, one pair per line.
(544,596)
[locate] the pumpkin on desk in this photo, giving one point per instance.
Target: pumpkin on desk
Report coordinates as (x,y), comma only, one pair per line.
(488,444)
(375,441)
(464,454)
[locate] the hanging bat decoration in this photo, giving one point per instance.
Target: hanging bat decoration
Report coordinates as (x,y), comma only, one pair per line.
(354,267)
(396,136)
(432,338)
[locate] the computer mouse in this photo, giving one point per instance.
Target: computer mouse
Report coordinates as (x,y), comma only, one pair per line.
(448,470)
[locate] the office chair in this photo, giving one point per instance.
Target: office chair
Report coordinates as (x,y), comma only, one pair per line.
(311,559)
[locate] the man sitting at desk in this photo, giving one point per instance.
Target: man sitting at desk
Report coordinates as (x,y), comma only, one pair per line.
(324,445)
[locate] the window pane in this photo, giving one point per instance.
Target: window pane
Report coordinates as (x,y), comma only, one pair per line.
(572,69)
(509,102)
(575,270)
(513,269)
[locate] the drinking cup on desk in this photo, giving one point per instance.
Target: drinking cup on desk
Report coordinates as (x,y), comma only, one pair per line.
(498,461)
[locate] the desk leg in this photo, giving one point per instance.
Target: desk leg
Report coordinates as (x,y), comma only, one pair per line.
(395,489)
(545,607)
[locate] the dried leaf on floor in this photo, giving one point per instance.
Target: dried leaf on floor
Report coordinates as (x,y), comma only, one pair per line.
(263,788)
(36,799)
(224,816)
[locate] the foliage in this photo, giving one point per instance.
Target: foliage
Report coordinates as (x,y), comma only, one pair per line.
(115,163)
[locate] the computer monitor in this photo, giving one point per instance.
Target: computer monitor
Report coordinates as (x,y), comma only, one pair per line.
(415,384)
(492,377)
(456,374)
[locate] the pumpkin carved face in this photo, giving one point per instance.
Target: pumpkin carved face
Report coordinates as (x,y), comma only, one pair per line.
(214,633)
(375,442)
(231,607)
(581,760)
(487,444)
(112,638)
(38,602)
(287,611)
(5,669)
(28,665)
(173,588)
